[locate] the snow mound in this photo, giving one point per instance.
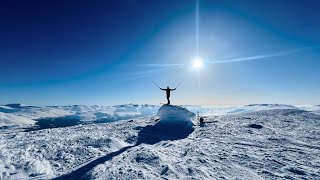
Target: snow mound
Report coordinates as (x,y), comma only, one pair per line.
(175,115)
(175,124)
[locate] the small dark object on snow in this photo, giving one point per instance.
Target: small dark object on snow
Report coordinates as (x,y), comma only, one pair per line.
(247,118)
(201,120)
(130,120)
(256,126)
(211,121)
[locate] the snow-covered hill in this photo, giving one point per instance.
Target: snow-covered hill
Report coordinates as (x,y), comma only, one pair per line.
(260,142)
(7,120)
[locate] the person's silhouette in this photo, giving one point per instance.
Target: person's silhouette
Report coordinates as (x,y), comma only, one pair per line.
(168,93)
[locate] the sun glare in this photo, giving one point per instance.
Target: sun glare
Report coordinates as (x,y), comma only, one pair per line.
(197,63)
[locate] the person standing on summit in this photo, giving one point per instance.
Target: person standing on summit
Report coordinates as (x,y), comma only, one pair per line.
(168,93)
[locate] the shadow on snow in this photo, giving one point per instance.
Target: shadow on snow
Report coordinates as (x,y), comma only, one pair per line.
(55,122)
(150,134)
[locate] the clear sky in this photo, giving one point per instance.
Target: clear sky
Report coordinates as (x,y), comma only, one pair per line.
(109,52)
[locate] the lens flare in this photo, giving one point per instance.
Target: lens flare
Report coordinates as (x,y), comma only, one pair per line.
(197,63)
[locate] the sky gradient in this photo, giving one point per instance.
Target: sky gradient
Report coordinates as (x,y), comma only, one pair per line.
(109,52)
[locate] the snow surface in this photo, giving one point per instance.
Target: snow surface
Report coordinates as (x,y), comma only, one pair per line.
(258,141)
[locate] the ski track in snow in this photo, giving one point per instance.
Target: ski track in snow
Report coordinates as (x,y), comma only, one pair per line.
(280,142)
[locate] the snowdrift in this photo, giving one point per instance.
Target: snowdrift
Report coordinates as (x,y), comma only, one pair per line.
(175,115)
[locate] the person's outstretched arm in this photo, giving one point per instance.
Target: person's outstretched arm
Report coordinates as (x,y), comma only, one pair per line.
(162,89)
(173,89)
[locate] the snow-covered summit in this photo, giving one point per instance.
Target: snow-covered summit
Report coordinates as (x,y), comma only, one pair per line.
(244,142)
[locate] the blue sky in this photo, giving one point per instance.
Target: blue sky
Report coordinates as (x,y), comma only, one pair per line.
(109,52)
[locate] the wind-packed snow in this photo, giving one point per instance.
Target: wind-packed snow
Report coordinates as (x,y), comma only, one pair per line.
(260,141)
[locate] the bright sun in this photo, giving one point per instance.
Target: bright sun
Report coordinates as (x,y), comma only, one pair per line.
(197,63)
